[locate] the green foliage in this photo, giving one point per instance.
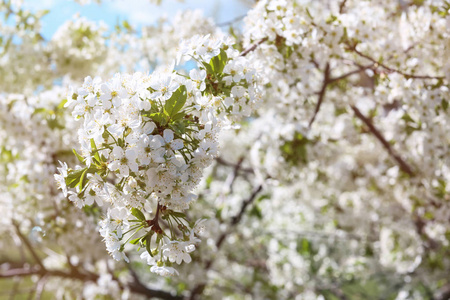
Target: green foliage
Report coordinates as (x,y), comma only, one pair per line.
(175,103)
(76,177)
(159,118)
(411,125)
(138,214)
(295,151)
(216,64)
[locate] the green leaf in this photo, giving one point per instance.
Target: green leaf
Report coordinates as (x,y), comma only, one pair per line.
(148,241)
(38,111)
(331,19)
(127,26)
(407,118)
(80,158)
(178,116)
(218,62)
(121,142)
(309,13)
(138,214)
(178,214)
(179,127)
(53,123)
(295,151)
(136,241)
(223,60)
(61,104)
(158,238)
(73,178)
(82,182)
(304,247)
(96,155)
(159,118)
(256,212)
(42,13)
(444,104)
(176,102)
(208,68)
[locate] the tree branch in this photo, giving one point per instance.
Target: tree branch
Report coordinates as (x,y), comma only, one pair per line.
(342,6)
(443,293)
(237,19)
(236,219)
(361,68)
(253,47)
(392,70)
(40,287)
(402,164)
(223,162)
(28,245)
(135,287)
(198,289)
(325,83)
(232,176)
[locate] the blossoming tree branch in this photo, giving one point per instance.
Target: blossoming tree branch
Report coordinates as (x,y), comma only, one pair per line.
(298,152)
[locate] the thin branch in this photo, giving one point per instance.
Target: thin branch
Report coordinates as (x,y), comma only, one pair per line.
(253,47)
(341,236)
(223,162)
(134,287)
(361,68)
(198,289)
(237,19)
(12,295)
(137,286)
(392,70)
(40,287)
(325,83)
(235,220)
(28,245)
(233,176)
(342,6)
(402,164)
(443,293)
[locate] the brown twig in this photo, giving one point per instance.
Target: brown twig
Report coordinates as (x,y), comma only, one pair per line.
(392,70)
(237,19)
(342,6)
(40,287)
(325,83)
(402,164)
(343,76)
(223,162)
(443,293)
(235,220)
(253,47)
(198,289)
(28,245)
(233,176)
(135,287)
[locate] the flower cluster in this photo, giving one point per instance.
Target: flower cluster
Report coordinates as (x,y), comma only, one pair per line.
(352,135)
(339,182)
(145,141)
(78,47)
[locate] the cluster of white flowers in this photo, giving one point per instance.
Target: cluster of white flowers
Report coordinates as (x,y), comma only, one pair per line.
(338,182)
(23,59)
(159,44)
(36,131)
(329,178)
(146,139)
(78,47)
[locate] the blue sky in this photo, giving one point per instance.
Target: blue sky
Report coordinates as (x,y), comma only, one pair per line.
(137,12)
